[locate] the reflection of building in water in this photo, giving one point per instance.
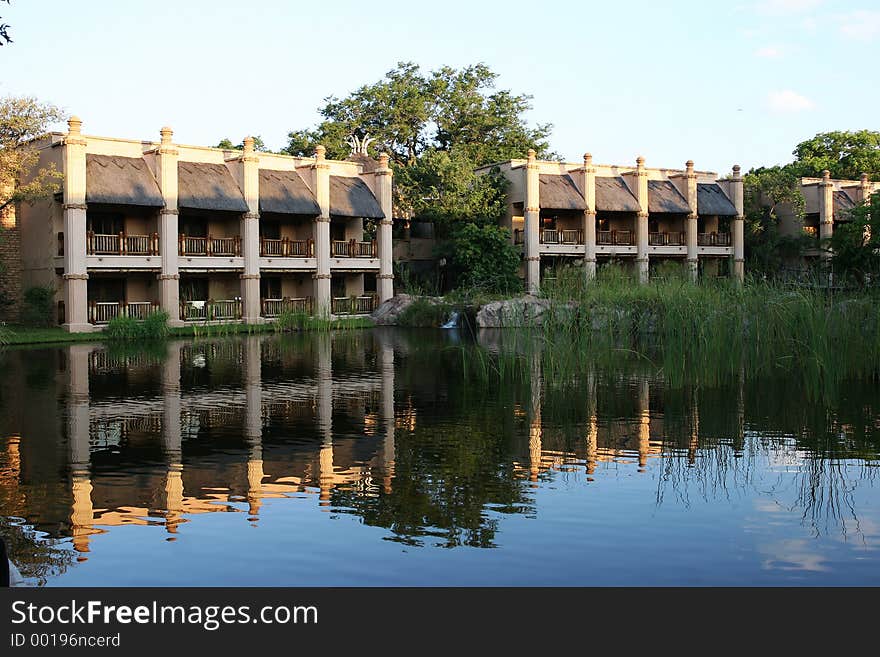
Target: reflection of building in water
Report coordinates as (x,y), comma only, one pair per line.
(244,407)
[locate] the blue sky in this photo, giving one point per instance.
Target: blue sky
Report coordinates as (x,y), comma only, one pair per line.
(718,82)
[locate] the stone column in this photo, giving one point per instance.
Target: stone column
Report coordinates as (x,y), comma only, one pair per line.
(642,220)
(253,429)
(322,234)
(385,278)
(325,418)
(169,276)
(864,190)
(532,225)
(81,511)
(737,194)
(592,426)
(536,386)
(691,228)
(171,438)
(694,442)
(589,190)
(76,277)
(250,234)
(826,214)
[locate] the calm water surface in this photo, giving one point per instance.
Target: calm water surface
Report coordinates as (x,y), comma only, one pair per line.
(379,458)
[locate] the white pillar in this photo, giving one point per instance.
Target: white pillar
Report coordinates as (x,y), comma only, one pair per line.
(322,234)
(81,511)
(532,225)
(169,276)
(826,214)
(691,227)
(644,424)
(385,278)
(386,355)
(250,234)
(737,192)
(589,190)
(642,220)
(171,438)
(253,429)
(592,425)
(76,277)
(325,417)
(864,189)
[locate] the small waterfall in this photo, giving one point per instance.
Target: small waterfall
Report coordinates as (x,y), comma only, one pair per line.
(452,322)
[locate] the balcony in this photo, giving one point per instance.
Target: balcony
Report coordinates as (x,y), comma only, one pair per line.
(119,244)
(210,310)
(272,308)
(362,305)
(614,238)
(675,238)
(353,249)
(287,248)
(553,236)
(209,246)
(102,312)
(713,239)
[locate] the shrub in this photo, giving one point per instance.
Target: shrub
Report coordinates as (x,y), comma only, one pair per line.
(424,313)
(38,308)
(153,327)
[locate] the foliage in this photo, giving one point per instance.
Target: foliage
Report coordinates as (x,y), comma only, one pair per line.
(423,313)
(482,256)
(38,308)
(259,145)
(856,244)
(23,119)
(768,191)
(153,327)
(845,154)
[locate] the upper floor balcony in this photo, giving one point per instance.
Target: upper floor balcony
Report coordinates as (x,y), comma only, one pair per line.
(122,244)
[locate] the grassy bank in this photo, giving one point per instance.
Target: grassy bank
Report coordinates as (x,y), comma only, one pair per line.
(21,335)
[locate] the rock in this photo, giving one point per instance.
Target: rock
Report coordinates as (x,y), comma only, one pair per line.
(522,311)
(388,312)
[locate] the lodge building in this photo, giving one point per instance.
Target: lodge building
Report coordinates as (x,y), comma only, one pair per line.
(206,234)
(561,211)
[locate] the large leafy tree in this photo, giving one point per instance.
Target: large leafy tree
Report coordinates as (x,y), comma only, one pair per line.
(437,127)
(23,119)
(845,154)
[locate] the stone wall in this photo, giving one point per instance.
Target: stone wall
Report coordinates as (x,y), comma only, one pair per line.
(10,265)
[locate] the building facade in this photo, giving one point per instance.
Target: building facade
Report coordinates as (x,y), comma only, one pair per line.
(827,203)
(206,234)
(564,211)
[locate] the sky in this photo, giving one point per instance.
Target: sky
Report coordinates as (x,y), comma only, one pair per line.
(717,82)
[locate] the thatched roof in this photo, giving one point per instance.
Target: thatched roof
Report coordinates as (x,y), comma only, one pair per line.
(843,203)
(203,186)
(711,200)
(122,181)
(350,197)
(286,192)
(612,195)
(558,192)
(664,197)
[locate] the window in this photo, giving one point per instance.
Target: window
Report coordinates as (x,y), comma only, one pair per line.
(270,287)
(105,223)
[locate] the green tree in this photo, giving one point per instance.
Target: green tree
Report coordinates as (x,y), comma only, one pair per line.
(845,154)
(23,119)
(259,145)
(856,243)
(481,257)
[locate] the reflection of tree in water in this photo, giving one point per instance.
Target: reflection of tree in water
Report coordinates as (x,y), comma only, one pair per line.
(37,556)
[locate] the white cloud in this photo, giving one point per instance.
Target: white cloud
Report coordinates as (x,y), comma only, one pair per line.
(862,25)
(787,101)
(768,52)
(787,6)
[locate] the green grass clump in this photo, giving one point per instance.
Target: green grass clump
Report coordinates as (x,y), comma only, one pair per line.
(153,327)
(423,313)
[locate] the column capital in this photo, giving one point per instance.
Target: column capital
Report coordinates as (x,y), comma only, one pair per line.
(168,277)
(319,220)
(75,277)
(826,179)
(385,276)
(251,215)
(169,211)
(320,276)
(640,166)
(74,206)
(689,169)
(737,173)
(386,222)
(534,258)
(532,161)
(537,209)
(249,276)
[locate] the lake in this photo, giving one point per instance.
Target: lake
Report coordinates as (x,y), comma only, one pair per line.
(424,457)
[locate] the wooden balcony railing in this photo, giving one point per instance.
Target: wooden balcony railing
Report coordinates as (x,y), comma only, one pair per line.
(359,305)
(287,248)
(554,236)
(713,239)
(209,246)
(122,244)
(614,238)
(675,238)
(353,249)
(101,312)
(275,307)
(210,310)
